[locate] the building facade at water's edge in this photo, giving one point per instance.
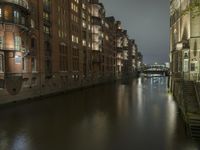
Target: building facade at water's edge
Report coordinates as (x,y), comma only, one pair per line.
(50,46)
(185,59)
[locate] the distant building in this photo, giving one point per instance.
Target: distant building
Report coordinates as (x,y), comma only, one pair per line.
(167,65)
(139,61)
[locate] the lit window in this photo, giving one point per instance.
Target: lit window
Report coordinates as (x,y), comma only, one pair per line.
(0,12)
(1,63)
(77,40)
(73,38)
(17,43)
(1,42)
(59,33)
(84,24)
(72,5)
(8,13)
(16,16)
(84,42)
(83,15)
(46,29)
(32,23)
(33,64)
(83,6)
(107,38)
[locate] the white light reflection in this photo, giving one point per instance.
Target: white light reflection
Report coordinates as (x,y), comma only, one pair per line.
(96,129)
(171,119)
(20,142)
(140,99)
(122,106)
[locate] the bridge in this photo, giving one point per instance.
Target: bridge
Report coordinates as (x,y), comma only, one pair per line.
(156,69)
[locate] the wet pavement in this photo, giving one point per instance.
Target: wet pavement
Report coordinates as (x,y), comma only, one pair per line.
(139,115)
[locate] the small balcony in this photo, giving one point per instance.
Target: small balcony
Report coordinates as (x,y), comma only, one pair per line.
(17,48)
(22,23)
(119,49)
(94,1)
(125,48)
(96,20)
(21,3)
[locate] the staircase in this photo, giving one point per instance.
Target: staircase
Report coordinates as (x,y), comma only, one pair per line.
(190,97)
(194,127)
(192,109)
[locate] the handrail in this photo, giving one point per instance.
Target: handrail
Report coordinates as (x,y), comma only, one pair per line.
(22,3)
(197,94)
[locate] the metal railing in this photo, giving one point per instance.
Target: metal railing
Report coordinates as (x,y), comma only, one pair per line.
(5,47)
(22,3)
(197,94)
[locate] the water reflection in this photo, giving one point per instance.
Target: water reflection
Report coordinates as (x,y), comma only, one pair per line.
(171,115)
(139,115)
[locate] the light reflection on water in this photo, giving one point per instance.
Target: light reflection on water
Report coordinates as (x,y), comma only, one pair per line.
(138,115)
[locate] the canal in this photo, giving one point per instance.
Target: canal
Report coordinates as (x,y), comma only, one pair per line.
(139,115)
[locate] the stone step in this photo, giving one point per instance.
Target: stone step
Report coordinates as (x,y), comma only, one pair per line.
(189,89)
(194,134)
(194,120)
(194,125)
(195,131)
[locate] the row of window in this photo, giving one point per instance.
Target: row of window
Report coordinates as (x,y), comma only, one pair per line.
(74,18)
(17,43)
(75,39)
(74,7)
(46,16)
(10,14)
(62,34)
(62,25)
(19,60)
(63,58)
(77,1)
(46,29)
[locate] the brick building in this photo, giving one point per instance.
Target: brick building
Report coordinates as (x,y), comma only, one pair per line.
(49,46)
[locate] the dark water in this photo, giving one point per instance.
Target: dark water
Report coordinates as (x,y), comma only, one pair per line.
(140,115)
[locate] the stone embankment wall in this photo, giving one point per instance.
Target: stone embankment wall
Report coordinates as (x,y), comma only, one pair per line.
(33,88)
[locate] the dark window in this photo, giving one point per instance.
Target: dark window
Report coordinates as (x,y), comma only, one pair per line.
(33,43)
(192,66)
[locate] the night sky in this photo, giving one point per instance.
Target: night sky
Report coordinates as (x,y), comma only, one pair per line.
(147,21)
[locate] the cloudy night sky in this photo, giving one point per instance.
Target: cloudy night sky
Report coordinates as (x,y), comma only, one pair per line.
(147,21)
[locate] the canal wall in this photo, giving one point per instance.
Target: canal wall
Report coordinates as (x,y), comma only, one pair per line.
(39,86)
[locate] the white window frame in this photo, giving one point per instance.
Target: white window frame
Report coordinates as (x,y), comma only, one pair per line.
(17,43)
(1,42)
